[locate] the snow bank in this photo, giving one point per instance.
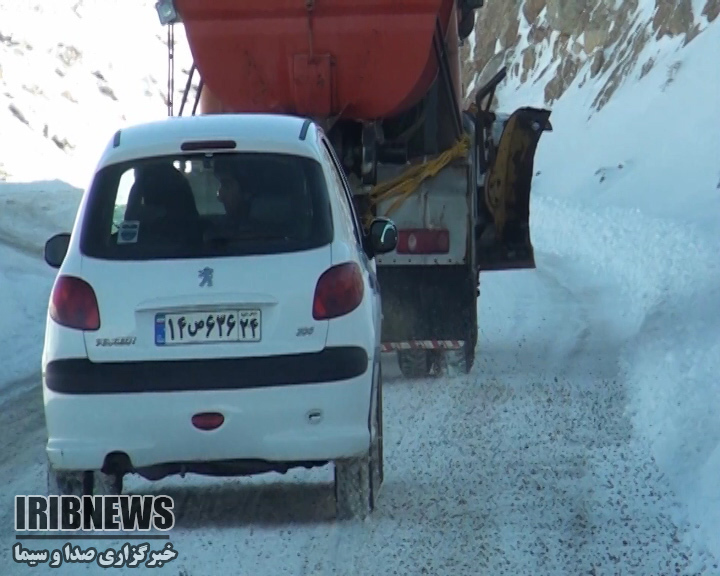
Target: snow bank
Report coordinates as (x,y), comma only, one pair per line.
(29,215)
(633,193)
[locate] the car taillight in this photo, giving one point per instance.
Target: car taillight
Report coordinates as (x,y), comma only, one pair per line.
(339,291)
(423,241)
(73,304)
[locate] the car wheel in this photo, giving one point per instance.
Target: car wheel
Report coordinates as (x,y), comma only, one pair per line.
(377,473)
(72,483)
(106,484)
(353,492)
(63,483)
(358,480)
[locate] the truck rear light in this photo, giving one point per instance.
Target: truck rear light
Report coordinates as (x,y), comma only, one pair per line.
(339,291)
(73,304)
(423,241)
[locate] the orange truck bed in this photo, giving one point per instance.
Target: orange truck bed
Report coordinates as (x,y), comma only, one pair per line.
(354,59)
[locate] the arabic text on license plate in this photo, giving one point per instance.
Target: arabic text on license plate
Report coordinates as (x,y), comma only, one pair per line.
(207,327)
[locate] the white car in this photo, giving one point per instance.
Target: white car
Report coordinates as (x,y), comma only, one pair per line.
(184,335)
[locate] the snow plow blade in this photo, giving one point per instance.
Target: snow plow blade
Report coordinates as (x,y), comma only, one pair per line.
(505,244)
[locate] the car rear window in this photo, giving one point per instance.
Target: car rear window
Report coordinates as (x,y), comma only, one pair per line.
(207,205)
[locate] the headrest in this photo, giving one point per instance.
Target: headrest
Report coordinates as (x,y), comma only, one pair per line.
(162,186)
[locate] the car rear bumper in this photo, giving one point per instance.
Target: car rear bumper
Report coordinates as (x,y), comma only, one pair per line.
(80,376)
(262,422)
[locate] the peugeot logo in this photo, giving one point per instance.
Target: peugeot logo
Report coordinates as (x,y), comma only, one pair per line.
(206,277)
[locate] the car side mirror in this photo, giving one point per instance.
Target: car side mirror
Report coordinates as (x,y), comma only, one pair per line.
(383,236)
(56,249)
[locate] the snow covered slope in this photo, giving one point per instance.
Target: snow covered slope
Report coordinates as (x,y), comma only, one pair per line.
(550,44)
(71,73)
(633,193)
(586,441)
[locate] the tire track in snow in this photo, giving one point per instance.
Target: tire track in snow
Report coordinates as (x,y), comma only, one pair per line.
(551,486)
(22,443)
(348,537)
(22,421)
(528,466)
(614,503)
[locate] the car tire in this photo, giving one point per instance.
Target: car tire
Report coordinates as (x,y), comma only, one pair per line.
(415,363)
(63,483)
(72,483)
(106,484)
(377,470)
(358,480)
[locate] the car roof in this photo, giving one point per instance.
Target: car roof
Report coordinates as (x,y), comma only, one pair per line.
(275,133)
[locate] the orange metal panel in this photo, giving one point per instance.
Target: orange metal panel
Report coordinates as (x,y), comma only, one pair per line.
(364,59)
(313,85)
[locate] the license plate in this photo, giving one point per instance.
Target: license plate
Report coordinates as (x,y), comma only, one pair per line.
(208,327)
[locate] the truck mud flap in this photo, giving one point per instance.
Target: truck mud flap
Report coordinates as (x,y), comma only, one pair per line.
(505,243)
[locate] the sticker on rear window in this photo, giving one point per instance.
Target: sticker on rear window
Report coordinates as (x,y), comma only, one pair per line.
(128,232)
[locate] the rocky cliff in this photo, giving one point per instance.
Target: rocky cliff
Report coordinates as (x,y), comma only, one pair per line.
(555,42)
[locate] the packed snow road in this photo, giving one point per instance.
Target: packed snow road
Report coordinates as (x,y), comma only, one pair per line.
(527,466)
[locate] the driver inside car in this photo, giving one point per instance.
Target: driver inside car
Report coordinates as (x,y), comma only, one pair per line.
(277,213)
(234,194)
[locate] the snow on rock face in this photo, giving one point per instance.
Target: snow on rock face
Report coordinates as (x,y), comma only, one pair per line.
(554,42)
(73,72)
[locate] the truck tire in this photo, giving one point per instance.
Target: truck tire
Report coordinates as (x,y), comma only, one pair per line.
(65,483)
(461,361)
(358,480)
(415,363)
